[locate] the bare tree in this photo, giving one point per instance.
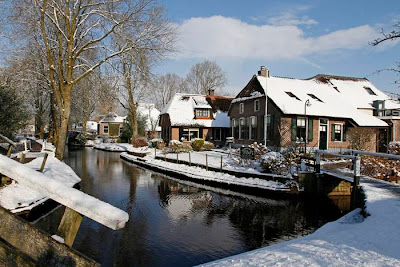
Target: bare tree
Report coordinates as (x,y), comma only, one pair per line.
(71,30)
(165,87)
(205,76)
(390,36)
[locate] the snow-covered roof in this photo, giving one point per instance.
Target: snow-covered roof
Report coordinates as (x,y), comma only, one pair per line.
(341,102)
(112,117)
(151,114)
(181,111)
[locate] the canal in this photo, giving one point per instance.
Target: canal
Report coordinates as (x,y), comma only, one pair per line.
(176,223)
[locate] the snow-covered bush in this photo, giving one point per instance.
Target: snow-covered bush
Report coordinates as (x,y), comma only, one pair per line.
(208,145)
(394,148)
(197,144)
(259,150)
(176,146)
(157,143)
(139,141)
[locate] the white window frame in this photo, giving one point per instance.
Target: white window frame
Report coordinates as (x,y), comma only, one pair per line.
(255,105)
(241,108)
(297,126)
(240,127)
(341,131)
(199,113)
(104,129)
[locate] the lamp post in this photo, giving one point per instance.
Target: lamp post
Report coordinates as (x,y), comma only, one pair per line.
(306,104)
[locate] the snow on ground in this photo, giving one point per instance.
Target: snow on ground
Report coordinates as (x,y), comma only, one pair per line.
(214,160)
(202,174)
(114,147)
(17,198)
(349,241)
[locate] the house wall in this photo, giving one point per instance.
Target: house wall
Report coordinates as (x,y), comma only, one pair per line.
(175,133)
(101,132)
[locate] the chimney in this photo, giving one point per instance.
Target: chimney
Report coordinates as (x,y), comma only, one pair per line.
(211,92)
(264,72)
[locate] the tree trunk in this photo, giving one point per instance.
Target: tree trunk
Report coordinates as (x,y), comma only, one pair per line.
(63,127)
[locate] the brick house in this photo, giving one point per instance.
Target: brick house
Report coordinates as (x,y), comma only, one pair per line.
(321,109)
(189,116)
(111,125)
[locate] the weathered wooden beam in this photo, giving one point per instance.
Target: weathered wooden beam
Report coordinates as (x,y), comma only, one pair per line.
(69,226)
(38,245)
(9,151)
(43,162)
(86,205)
(11,256)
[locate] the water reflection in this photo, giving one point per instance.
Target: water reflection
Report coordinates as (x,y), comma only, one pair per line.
(178,223)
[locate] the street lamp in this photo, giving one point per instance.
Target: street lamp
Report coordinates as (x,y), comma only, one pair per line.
(306,104)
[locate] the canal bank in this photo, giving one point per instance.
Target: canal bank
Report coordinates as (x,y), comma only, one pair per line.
(174,223)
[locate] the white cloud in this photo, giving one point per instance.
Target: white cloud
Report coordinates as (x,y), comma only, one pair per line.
(224,37)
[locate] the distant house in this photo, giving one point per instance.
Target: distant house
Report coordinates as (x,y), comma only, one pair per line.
(151,114)
(111,125)
(91,127)
(322,109)
(189,116)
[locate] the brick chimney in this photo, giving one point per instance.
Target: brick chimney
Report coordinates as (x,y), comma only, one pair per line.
(211,92)
(264,72)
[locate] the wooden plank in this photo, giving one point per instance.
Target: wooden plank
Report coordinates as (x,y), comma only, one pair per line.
(86,205)
(43,162)
(69,226)
(11,256)
(38,245)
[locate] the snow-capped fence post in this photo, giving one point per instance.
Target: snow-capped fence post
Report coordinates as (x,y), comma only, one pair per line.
(190,158)
(221,164)
(177,157)
(155,152)
(43,162)
(21,160)
(206,162)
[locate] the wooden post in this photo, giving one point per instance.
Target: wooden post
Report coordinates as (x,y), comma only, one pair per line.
(9,151)
(221,163)
(69,226)
(44,162)
(155,152)
(317,162)
(21,160)
(356,180)
(165,156)
(190,158)
(177,157)
(206,162)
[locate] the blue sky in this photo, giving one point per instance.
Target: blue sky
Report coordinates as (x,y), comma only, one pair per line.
(294,39)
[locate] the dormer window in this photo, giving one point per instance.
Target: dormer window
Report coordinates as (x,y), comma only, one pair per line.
(202,113)
(241,108)
(369,90)
(292,95)
(316,98)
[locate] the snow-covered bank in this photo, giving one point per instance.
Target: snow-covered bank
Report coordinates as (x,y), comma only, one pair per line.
(200,174)
(18,198)
(349,241)
(113,147)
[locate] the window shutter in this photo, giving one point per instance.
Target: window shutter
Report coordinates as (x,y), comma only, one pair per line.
(294,129)
(333,132)
(180,133)
(344,132)
(255,129)
(271,127)
(310,130)
(246,128)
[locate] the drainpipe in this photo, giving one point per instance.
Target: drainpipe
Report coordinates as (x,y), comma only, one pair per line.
(393,131)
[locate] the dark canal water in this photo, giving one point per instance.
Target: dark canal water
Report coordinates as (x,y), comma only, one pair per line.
(174,223)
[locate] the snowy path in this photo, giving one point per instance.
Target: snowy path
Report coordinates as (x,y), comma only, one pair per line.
(349,241)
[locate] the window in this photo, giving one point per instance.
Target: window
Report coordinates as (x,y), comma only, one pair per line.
(369,90)
(270,126)
(252,128)
(301,130)
(105,129)
(256,105)
(242,128)
(292,95)
(189,134)
(337,132)
(316,98)
(241,108)
(202,113)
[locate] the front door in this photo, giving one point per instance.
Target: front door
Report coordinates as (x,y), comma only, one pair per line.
(323,135)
